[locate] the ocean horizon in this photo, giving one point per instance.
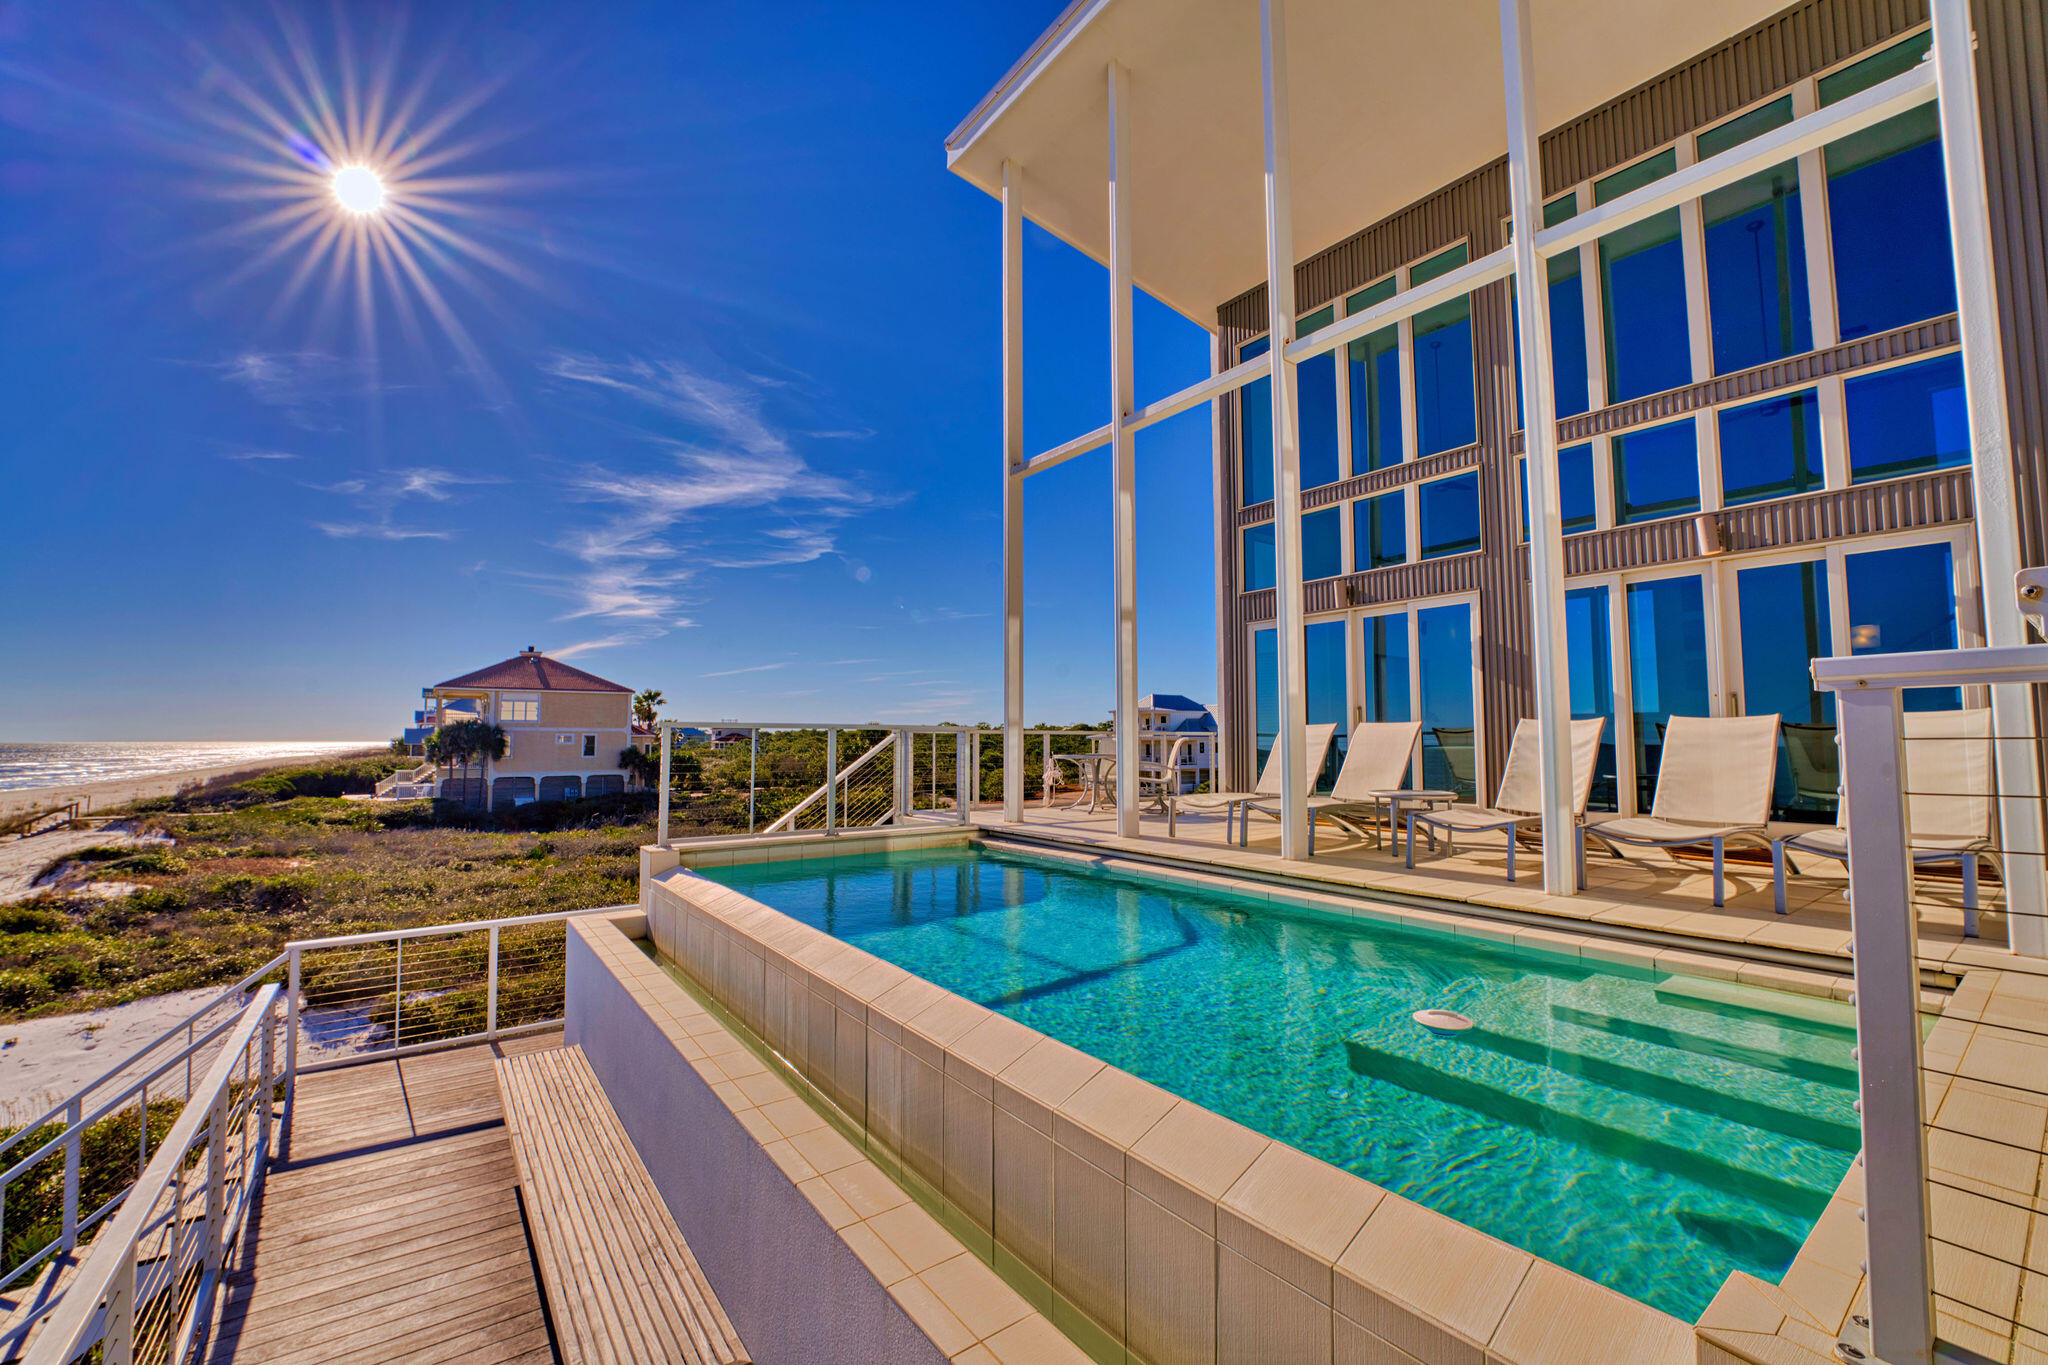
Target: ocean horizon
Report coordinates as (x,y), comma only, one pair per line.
(29,764)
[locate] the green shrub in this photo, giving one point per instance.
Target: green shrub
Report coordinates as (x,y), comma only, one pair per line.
(31,919)
(20,990)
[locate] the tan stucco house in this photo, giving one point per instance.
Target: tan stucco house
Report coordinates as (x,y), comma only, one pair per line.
(564,731)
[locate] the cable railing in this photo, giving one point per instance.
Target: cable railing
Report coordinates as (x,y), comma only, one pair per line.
(337,1001)
(1941,756)
(146,1289)
(732,777)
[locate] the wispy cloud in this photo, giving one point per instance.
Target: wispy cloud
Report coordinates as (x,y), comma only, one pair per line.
(727,490)
(253,455)
(379,495)
(305,386)
(735,672)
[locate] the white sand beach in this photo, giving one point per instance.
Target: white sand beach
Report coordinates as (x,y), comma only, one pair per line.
(119,792)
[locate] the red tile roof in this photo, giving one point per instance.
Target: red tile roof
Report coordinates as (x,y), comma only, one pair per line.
(530,669)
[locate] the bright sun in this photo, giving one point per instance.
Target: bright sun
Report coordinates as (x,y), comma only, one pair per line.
(358,189)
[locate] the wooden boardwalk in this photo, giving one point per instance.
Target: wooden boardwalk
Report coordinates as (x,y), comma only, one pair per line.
(393,1232)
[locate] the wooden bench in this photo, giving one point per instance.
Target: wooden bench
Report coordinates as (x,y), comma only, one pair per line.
(622,1286)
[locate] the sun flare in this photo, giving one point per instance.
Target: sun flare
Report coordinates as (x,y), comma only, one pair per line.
(358,189)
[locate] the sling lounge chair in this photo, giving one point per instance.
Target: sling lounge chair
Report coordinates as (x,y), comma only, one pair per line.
(1948,804)
(1713,787)
(1519,802)
(1376,760)
(1235,805)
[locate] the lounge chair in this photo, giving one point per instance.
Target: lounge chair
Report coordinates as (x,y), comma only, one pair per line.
(1815,762)
(1235,805)
(1376,759)
(1459,752)
(1949,790)
(1519,802)
(1713,787)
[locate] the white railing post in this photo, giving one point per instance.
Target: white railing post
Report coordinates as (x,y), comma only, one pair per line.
(491,990)
(397,992)
(831,780)
(753,768)
(266,1084)
(1123,451)
(1885,954)
(960,776)
(1013,491)
(291,1042)
(1993,481)
(117,1346)
(667,741)
(1045,765)
(217,1181)
(74,1115)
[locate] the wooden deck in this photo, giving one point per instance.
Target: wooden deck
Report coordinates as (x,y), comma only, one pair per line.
(393,1232)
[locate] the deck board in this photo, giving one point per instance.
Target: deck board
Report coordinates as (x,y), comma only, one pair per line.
(393,1232)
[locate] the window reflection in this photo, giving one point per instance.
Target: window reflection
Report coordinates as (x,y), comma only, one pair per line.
(1756,252)
(1444,410)
(1374,364)
(1590,660)
(1786,626)
(1316,392)
(1642,290)
(1656,472)
(1450,757)
(1258,557)
(1255,431)
(1907,420)
(1384,681)
(1449,515)
(1322,544)
(1575,498)
(1329,703)
(1902,600)
(1770,449)
(1379,531)
(1667,667)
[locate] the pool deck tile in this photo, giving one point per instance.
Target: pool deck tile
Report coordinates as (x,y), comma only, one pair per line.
(1294,1215)
(1407,1256)
(1188,1159)
(1557,1318)
(1110,1112)
(1043,1079)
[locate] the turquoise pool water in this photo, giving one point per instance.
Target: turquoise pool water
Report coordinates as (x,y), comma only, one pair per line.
(1650,1132)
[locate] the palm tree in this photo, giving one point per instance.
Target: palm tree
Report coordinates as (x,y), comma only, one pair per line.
(647,706)
(464,742)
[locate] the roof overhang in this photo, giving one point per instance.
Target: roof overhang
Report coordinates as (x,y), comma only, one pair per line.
(1390,101)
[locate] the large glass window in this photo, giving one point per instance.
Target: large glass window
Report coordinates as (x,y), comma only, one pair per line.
(1642,291)
(1322,544)
(1379,531)
(1902,600)
(1443,646)
(1667,667)
(1567,318)
(1590,660)
(1756,252)
(1316,391)
(1375,379)
(1574,487)
(1444,408)
(1907,420)
(1259,569)
(1888,206)
(1265,690)
(1770,449)
(1656,472)
(1384,682)
(1255,431)
(1329,703)
(1448,514)
(1785,623)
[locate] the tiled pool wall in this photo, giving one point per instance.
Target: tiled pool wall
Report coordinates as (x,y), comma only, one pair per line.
(1151,1223)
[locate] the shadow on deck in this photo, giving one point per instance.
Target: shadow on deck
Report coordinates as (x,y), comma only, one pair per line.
(393,1231)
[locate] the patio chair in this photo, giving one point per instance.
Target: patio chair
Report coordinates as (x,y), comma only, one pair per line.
(1519,802)
(1460,755)
(1376,759)
(1949,790)
(1713,787)
(1815,762)
(1236,805)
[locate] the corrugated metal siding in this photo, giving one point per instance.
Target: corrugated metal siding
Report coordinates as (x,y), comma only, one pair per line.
(2013,68)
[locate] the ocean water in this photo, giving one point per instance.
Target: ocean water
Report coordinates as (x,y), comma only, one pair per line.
(26,764)
(1651,1132)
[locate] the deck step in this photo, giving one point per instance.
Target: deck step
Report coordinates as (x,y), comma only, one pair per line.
(1766,1042)
(1491,1074)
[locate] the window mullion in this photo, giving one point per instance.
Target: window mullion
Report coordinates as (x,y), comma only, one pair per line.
(1410,439)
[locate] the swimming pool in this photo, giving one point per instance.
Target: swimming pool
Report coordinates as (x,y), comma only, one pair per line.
(1648,1131)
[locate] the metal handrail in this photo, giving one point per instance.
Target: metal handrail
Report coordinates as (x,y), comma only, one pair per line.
(788,818)
(112,1277)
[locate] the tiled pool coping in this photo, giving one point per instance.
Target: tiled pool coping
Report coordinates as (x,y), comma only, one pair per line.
(1175,1231)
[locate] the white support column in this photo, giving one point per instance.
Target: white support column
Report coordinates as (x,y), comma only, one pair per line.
(1226,544)
(1539,438)
(1888,1060)
(1123,451)
(1292,739)
(1013,491)
(1998,547)
(667,738)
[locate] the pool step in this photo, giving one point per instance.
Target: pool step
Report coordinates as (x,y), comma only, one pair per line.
(1632,1009)
(1484,1073)
(1808,1014)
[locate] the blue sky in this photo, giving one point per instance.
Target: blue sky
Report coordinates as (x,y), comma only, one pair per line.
(689,371)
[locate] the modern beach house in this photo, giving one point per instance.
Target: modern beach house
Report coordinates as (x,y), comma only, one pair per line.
(1629,422)
(1180,731)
